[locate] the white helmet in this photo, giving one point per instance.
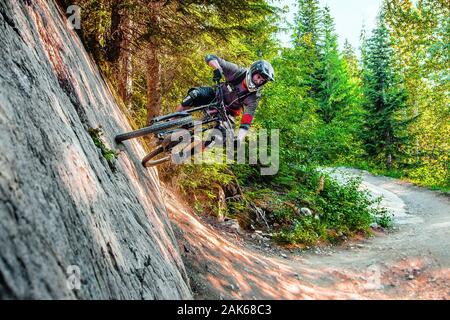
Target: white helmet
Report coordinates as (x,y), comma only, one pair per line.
(262,67)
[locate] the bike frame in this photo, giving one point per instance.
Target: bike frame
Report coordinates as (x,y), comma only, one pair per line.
(218,105)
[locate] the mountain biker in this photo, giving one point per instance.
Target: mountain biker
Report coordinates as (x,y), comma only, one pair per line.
(240,91)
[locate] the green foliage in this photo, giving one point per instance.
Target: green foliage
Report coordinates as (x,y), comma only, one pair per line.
(204,176)
(420,32)
(304,135)
(317,103)
(109,154)
(385,133)
(203,186)
(345,207)
(303,232)
(339,211)
(306,43)
(337,93)
(384,220)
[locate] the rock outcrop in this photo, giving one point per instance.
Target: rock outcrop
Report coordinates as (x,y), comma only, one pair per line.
(71,227)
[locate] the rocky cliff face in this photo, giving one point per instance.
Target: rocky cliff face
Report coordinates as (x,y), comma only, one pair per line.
(70,227)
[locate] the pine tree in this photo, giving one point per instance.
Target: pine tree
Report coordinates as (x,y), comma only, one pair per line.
(335,87)
(307,23)
(351,61)
(385,136)
(420,32)
(306,41)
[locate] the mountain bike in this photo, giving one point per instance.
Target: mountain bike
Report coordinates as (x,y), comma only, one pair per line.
(170,129)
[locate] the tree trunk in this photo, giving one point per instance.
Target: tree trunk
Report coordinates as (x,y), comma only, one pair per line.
(125,81)
(389,150)
(416,114)
(154,98)
(119,50)
(154,92)
(116,34)
(389,161)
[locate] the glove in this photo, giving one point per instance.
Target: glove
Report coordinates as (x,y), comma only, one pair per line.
(218,73)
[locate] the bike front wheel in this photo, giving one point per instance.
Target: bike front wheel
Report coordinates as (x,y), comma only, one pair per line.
(154,128)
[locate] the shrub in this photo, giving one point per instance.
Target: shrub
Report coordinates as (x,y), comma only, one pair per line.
(109,154)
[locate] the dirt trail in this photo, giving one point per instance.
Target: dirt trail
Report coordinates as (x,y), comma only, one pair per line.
(411,262)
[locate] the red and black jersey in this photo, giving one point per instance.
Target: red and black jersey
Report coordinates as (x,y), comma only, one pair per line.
(236,95)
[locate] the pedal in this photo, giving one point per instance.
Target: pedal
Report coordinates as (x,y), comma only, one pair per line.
(160,136)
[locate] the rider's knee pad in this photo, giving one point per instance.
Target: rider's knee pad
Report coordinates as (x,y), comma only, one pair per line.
(190,98)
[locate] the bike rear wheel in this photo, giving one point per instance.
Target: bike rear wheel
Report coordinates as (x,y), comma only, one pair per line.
(154,128)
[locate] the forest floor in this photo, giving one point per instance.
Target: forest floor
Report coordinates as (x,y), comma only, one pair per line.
(412,261)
